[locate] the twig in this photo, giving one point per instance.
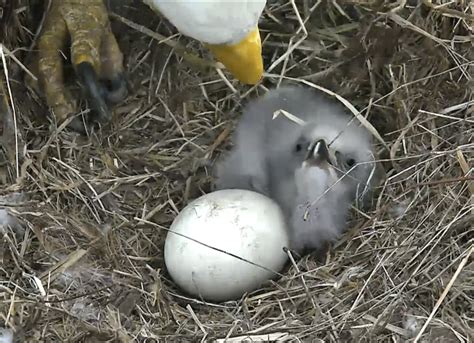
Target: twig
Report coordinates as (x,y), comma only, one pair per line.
(445,292)
(443,181)
(188,56)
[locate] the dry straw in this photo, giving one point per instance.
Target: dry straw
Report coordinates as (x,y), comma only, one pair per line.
(88,265)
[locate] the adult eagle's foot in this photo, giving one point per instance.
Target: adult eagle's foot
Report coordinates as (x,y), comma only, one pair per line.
(95,56)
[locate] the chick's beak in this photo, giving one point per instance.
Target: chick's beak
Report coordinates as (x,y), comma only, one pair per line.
(244,59)
(318,154)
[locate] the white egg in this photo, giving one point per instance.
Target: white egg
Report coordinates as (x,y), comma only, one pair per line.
(246,224)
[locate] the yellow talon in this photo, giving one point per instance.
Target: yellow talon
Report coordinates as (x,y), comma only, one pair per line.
(95,55)
(83,58)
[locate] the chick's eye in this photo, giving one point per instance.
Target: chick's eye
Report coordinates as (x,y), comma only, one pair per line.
(350,162)
(299,147)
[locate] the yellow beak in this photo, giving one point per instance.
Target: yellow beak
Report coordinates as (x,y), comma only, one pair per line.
(244,59)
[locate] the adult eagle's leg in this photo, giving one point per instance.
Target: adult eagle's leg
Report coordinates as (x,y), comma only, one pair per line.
(95,56)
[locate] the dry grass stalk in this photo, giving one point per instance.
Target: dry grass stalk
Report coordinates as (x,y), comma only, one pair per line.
(402,269)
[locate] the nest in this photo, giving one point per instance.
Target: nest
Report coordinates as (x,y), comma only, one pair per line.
(85,261)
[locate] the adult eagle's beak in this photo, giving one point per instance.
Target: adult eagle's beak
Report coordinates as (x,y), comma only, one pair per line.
(244,59)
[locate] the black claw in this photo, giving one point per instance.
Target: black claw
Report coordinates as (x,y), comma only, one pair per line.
(78,125)
(96,93)
(116,90)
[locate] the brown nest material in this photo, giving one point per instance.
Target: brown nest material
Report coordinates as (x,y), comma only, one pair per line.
(87,264)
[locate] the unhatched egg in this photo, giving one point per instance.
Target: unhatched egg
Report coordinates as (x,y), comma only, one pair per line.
(215,239)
